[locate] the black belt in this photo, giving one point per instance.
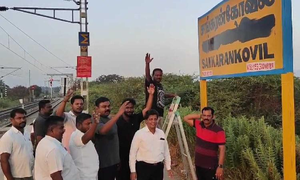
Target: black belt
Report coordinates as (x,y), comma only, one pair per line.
(150,164)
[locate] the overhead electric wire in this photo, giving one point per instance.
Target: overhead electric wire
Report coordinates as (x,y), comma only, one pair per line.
(9,73)
(26,51)
(34,40)
(23,58)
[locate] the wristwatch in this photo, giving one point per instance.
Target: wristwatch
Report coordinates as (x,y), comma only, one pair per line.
(220,166)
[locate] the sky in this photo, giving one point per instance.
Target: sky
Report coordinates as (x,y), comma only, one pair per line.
(121,33)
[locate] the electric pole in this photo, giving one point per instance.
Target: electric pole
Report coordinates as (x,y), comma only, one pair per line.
(84,85)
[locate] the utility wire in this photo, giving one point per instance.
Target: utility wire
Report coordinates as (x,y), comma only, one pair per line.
(25,50)
(23,58)
(34,40)
(9,73)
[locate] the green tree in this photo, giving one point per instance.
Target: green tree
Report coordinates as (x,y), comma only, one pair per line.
(18,92)
(111,78)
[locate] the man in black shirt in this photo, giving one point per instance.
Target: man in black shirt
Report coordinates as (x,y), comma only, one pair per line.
(128,124)
(159,95)
(39,126)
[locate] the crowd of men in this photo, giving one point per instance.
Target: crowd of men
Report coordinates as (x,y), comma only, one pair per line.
(76,145)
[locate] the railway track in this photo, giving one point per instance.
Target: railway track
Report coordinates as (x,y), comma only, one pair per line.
(31,109)
(4,114)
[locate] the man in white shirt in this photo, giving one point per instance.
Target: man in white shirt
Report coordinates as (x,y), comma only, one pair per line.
(52,161)
(149,148)
(82,149)
(70,117)
(16,149)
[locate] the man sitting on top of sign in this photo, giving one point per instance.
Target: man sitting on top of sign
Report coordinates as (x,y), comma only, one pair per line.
(159,94)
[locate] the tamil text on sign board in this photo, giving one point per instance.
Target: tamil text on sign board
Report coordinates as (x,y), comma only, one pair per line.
(245,37)
(84,66)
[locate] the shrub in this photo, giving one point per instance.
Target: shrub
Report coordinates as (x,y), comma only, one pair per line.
(7,103)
